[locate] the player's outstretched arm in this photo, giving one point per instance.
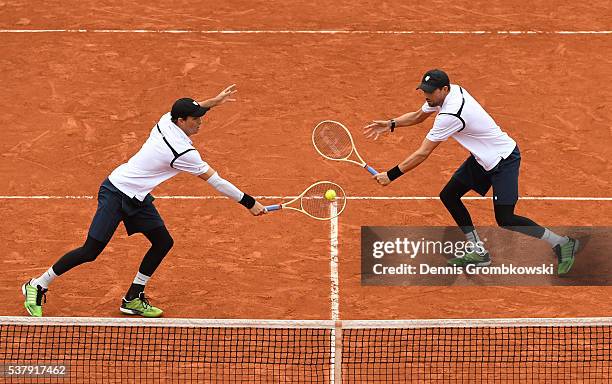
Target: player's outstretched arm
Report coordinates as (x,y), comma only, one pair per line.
(223,96)
(378,127)
(228,189)
(411,162)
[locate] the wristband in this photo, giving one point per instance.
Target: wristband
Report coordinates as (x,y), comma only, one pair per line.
(392,125)
(247,201)
(394,173)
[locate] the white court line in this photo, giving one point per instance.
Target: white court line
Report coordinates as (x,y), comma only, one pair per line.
(336,334)
(42,197)
(307,324)
(335,281)
(187,197)
(334,293)
(310,32)
(553,198)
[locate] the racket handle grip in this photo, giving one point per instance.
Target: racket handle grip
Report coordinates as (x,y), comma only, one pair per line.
(274,207)
(371,170)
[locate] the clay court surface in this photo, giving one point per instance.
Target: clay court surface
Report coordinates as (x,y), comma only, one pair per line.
(76,105)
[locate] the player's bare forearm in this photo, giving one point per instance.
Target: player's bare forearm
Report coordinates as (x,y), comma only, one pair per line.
(419,156)
(212,102)
(412,161)
(209,103)
(378,127)
(411,118)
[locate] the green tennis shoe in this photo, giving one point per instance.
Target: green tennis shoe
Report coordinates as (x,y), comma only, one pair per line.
(140,306)
(34,298)
(566,254)
(471,258)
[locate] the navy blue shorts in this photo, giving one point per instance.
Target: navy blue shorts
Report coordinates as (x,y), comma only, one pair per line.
(503,177)
(114,206)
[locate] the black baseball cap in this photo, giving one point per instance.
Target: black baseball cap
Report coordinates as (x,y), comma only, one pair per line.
(434,79)
(187,107)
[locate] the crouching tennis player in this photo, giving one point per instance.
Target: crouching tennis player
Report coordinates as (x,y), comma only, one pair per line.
(125,196)
(494,162)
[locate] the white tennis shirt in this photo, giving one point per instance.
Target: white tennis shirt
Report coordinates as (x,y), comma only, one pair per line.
(465,120)
(167,151)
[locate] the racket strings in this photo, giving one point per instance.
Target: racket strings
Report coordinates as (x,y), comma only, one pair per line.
(314,202)
(332,140)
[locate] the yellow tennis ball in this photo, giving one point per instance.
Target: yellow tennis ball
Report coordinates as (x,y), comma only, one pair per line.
(330,195)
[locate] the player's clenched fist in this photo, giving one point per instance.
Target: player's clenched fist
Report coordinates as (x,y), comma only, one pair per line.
(382,178)
(258,209)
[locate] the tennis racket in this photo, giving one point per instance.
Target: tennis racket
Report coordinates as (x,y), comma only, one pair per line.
(333,141)
(312,202)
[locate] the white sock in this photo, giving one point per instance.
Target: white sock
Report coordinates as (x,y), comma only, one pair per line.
(472,237)
(45,279)
(554,239)
(141,279)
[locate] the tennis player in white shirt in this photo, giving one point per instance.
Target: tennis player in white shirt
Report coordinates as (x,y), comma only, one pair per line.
(125,197)
(494,161)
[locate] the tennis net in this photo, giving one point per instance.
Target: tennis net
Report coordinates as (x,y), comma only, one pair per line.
(98,350)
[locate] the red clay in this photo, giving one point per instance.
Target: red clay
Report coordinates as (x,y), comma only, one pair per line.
(77,105)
